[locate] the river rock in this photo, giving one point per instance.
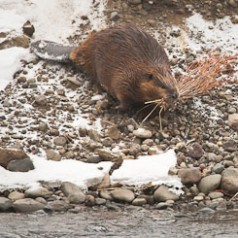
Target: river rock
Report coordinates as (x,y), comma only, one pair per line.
(162,194)
(60,141)
(27,205)
(23,165)
(123,195)
(218,168)
(53,155)
(15,195)
(106,194)
(38,192)
(41,100)
(135,2)
(105,155)
(190,175)
(142,133)
(230,146)
(90,200)
(73,192)
(5,204)
(215,195)
(114,133)
(17,41)
(8,154)
(209,183)
(229,181)
(100,201)
(57,206)
(28,29)
(139,202)
(233,121)
(195,151)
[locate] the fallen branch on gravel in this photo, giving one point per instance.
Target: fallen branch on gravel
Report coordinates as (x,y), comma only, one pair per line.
(205,74)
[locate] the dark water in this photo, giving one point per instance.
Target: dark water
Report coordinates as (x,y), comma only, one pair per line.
(134,223)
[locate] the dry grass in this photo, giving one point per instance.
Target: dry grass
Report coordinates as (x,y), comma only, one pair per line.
(206,74)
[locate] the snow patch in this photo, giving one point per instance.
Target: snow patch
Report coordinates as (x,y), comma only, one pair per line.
(55,19)
(148,169)
(222,33)
(10,62)
(80,173)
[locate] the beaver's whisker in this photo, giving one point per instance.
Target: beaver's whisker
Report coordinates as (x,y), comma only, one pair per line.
(154,101)
(160,119)
(149,114)
(146,106)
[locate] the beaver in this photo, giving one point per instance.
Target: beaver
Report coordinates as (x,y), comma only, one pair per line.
(128,63)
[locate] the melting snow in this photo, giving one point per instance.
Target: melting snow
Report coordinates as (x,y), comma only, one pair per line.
(10,62)
(146,169)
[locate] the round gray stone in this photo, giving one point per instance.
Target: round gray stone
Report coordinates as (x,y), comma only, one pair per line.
(5,204)
(27,205)
(38,192)
(162,194)
(123,195)
(229,181)
(209,183)
(142,133)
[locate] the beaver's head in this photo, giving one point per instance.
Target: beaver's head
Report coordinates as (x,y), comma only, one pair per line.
(158,86)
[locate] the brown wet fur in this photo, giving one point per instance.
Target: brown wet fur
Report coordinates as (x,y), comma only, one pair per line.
(128,63)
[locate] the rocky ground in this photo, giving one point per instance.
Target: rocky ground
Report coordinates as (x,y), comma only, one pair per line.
(40,112)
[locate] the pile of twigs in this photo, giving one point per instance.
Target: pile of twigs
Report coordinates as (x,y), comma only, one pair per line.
(205,74)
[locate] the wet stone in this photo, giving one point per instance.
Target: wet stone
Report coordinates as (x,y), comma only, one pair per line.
(209,183)
(123,195)
(27,205)
(5,204)
(23,165)
(57,206)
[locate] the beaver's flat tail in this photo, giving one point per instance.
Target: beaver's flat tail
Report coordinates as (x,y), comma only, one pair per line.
(49,50)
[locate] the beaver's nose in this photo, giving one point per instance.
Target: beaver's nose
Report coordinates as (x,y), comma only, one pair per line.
(174,95)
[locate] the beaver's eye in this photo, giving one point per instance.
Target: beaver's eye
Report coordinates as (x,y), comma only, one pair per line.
(150,77)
